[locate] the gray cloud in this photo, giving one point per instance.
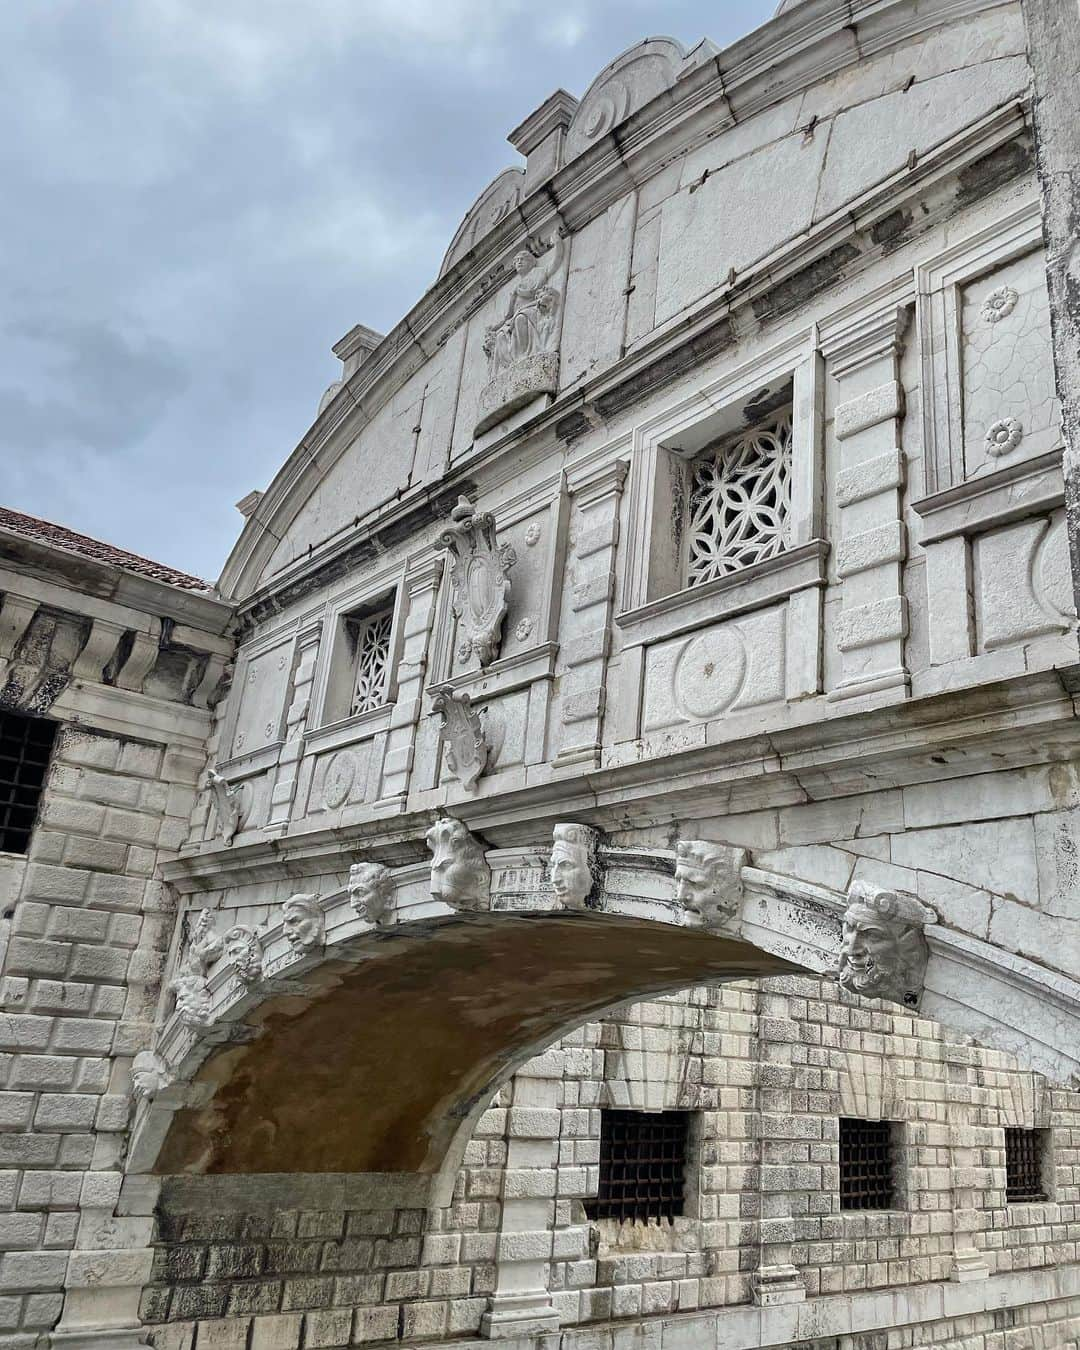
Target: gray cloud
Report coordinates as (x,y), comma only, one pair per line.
(201,198)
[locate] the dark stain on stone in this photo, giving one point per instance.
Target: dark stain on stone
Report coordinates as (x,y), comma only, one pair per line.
(796,290)
(666,369)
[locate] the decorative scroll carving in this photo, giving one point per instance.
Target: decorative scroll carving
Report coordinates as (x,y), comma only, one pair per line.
(303,923)
(149,1075)
(460,876)
(575,871)
(227,800)
(708,880)
(883,953)
(467,749)
(244,950)
(493,205)
(478,575)
(371,892)
(189,985)
(641,73)
(521,348)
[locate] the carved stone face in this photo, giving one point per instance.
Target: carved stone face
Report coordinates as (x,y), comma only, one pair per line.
(707,879)
(192,996)
(523,263)
(883,949)
(459,872)
(302,922)
(371,891)
(243,949)
(149,1075)
(571,877)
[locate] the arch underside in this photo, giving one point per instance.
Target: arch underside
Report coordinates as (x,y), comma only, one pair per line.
(378,1072)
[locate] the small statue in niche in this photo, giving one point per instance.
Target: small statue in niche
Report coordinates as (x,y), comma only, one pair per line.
(227,800)
(883,951)
(243,949)
(574,867)
(371,892)
(189,986)
(461,731)
(460,876)
(303,923)
(708,879)
(149,1075)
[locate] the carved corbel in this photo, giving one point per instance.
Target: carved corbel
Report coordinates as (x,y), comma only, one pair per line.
(229,805)
(100,648)
(575,868)
(371,892)
(479,578)
(462,733)
(16,615)
(708,880)
(303,923)
(883,951)
(460,876)
(140,660)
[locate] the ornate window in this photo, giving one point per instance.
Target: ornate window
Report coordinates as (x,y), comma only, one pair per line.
(372,638)
(740,493)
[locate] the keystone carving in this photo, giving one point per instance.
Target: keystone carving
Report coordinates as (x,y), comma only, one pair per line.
(303,923)
(371,892)
(149,1075)
(575,871)
(228,802)
(189,985)
(460,876)
(883,952)
(521,347)
(467,749)
(708,880)
(243,949)
(478,576)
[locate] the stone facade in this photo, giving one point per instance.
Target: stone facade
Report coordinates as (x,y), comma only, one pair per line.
(649,687)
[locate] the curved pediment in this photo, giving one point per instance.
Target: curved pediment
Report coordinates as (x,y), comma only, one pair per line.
(494,204)
(633,79)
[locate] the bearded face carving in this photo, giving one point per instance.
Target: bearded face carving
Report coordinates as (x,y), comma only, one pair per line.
(192,995)
(303,923)
(149,1075)
(883,951)
(460,876)
(243,949)
(371,892)
(708,880)
(573,864)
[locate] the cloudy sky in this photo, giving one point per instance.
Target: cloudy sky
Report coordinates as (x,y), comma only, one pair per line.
(201,196)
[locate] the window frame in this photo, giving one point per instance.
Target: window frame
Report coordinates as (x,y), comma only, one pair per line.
(1044,1138)
(897,1146)
(685,1202)
(29,721)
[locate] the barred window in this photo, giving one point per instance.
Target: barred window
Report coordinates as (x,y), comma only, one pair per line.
(867,1178)
(372,638)
(25,746)
(1024,1165)
(642,1165)
(740,493)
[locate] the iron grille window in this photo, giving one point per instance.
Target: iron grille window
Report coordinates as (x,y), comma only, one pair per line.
(866,1164)
(372,637)
(25,746)
(1024,1165)
(642,1165)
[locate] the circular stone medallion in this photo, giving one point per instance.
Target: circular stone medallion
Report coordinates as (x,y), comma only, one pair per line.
(709,673)
(339,779)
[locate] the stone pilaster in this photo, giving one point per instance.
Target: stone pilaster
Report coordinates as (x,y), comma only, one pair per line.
(421,595)
(586,625)
(292,752)
(870,548)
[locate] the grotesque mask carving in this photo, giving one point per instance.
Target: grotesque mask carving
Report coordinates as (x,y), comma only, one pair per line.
(371,892)
(883,952)
(149,1075)
(189,986)
(243,949)
(303,923)
(460,876)
(574,869)
(708,879)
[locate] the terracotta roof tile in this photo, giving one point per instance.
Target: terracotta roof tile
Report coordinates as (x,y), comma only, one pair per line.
(45,532)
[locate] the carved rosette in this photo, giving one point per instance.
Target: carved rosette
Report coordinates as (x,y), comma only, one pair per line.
(708,881)
(243,949)
(574,866)
(479,578)
(371,892)
(227,800)
(461,731)
(460,876)
(883,951)
(303,923)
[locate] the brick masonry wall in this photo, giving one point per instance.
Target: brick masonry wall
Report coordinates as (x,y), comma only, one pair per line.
(307,1277)
(78,998)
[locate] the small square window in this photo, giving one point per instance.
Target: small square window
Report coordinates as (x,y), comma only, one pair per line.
(867,1164)
(1025,1165)
(371,668)
(642,1166)
(25,746)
